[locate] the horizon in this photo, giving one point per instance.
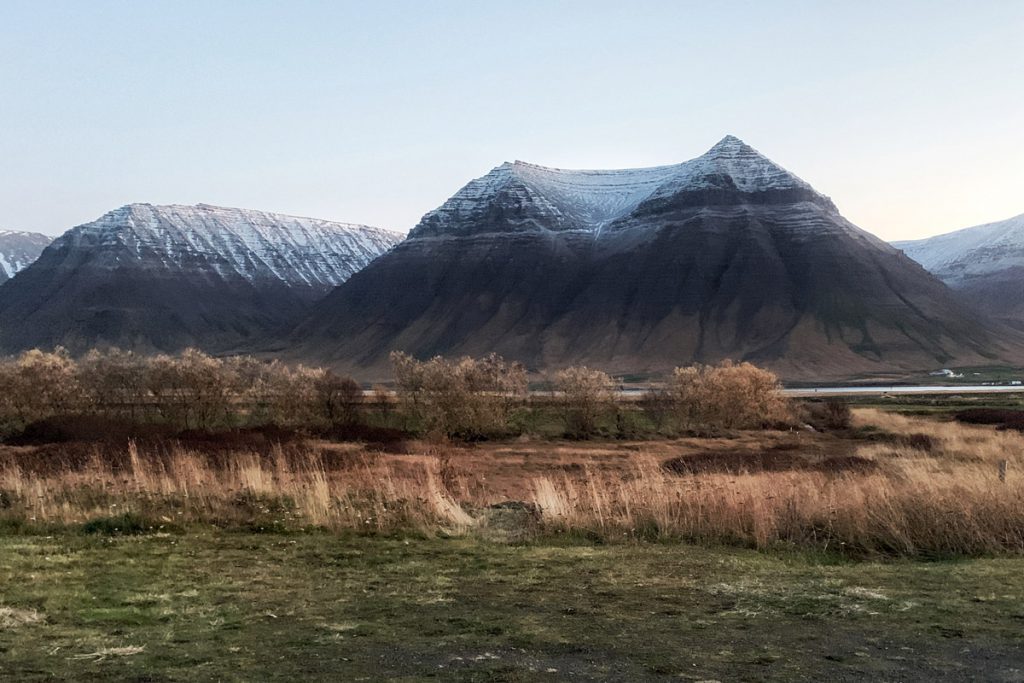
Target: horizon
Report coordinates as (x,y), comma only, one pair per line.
(362,115)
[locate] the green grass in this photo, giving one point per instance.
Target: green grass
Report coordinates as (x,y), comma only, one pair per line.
(236,607)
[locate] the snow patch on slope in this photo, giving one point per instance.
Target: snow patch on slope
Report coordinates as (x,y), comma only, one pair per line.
(594,197)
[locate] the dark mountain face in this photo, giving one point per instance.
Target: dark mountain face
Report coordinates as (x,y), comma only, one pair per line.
(18,250)
(999,295)
(725,256)
(167,277)
(984,264)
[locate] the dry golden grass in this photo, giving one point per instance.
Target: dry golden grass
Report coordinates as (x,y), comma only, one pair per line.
(935,495)
(183,486)
(11,618)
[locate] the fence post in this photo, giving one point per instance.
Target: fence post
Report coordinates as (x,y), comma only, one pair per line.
(1002,470)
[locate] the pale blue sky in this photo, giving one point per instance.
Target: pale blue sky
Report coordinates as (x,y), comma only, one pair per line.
(910,115)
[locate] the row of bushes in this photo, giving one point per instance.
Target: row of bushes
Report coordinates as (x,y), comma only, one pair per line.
(471,398)
(191,391)
(465,399)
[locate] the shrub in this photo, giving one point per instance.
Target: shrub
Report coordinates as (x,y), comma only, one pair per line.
(113,382)
(193,390)
(585,396)
(659,405)
(337,398)
(466,398)
(831,414)
(37,385)
(728,396)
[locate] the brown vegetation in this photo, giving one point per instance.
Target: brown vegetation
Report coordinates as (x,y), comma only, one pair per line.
(729,396)
(467,398)
(1003,418)
(756,489)
(584,396)
(189,391)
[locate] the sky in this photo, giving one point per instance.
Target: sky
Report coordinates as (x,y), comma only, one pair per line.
(910,115)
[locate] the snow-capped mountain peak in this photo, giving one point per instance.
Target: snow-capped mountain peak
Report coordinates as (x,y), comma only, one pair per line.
(732,163)
(18,249)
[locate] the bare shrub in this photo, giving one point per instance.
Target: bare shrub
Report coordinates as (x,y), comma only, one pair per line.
(728,396)
(831,414)
(113,382)
(337,398)
(37,385)
(466,398)
(293,399)
(585,395)
(193,390)
(660,406)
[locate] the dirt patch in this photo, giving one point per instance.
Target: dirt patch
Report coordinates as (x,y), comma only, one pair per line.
(770,460)
(1001,417)
(92,428)
(918,442)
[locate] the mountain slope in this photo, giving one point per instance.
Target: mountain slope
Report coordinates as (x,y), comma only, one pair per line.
(165,277)
(18,250)
(724,256)
(984,263)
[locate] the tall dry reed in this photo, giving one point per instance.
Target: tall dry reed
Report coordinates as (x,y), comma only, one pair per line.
(184,486)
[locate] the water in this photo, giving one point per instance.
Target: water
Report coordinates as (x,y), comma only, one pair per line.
(896,389)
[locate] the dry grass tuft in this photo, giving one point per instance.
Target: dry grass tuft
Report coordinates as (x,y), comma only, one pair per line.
(107,652)
(11,617)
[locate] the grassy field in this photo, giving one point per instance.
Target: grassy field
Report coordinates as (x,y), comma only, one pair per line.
(215,605)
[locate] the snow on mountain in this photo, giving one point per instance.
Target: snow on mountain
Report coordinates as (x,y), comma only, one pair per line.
(18,250)
(971,252)
(253,244)
(734,162)
(589,200)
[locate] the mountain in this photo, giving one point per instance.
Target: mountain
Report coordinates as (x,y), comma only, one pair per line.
(985,264)
(724,256)
(165,277)
(19,249)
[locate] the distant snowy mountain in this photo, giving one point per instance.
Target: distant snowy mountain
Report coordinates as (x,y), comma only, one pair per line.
(724,256)
(18,250)
(164,277)
(985,263)
(963,254)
